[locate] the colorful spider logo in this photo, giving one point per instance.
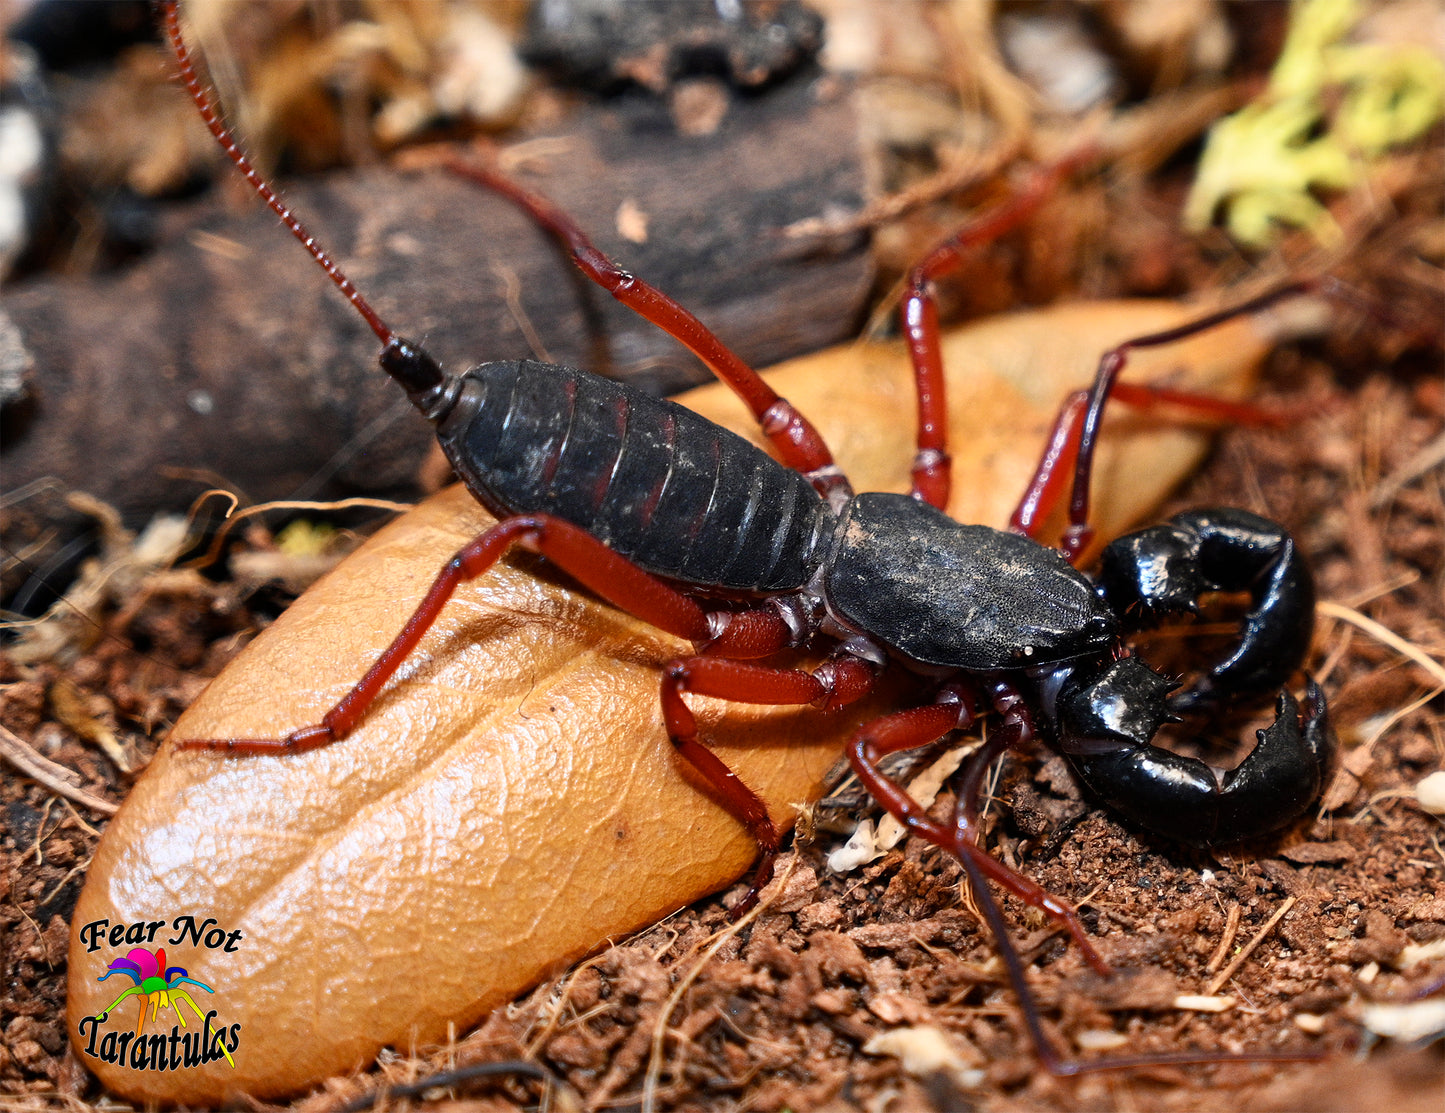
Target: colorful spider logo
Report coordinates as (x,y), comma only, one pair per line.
(156,986)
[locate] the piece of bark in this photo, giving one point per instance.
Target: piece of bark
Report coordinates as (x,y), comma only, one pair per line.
(656,43)
(228,355)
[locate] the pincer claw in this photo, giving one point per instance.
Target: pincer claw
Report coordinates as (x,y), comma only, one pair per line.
(1283,774)
(1106,729)
(1162,571)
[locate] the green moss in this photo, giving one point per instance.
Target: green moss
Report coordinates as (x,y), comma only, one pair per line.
(1330,109)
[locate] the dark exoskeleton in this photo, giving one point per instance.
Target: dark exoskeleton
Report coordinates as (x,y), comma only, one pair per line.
(896,579)
(695,530)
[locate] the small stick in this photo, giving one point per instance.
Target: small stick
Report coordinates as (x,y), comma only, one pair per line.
(476,1071)
(1230,970)
(48,773)
(234,516)
(1231,929)
(1195,1002)
(1384,635)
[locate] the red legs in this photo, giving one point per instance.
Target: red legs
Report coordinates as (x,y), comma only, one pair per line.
(832,685)
(799,445)
(797,442)
(1060,453)
(576,552)
(761,631)
(726,636)
(1046,488)
(932,466)
(1076,430)
(956,710)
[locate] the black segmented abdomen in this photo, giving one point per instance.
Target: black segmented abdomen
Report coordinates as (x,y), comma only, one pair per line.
(677,494)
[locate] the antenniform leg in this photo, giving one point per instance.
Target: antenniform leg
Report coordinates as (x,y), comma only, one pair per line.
(1107,720)
(1076,430)
(919,726)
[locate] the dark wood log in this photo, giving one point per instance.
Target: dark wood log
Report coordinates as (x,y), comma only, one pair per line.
(226,352)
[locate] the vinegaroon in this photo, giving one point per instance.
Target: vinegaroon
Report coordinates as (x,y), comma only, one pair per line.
(692,529)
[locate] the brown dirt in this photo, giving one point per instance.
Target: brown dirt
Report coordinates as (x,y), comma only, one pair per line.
(779,1016)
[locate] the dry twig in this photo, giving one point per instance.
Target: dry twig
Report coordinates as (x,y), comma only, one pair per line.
(1233,968)
(24,758)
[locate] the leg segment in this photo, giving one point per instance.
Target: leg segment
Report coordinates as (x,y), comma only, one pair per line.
(905,730)
(1061,452)
(1076,430)
(1051,1060)
(576,552)
(919,726)
(834,684)
(797,442)
(932,474)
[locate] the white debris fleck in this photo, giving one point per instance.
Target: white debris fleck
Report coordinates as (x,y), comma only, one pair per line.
(1196,1003)
(924,1050)
(1412,953)
(21,150)
(481,75)
(1411,1023)
(1100,1039)
(867,843)
(631,221)
(1430,793)
(860,849)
